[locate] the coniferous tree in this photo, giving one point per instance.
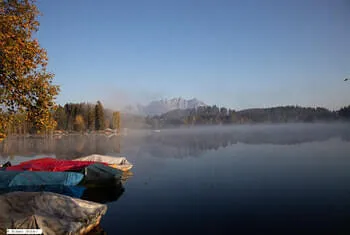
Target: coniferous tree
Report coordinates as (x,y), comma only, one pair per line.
(99,116)
(91,117)
(116,121)
(61,118)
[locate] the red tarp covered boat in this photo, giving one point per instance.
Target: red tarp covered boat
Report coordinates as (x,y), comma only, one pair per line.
(51,164)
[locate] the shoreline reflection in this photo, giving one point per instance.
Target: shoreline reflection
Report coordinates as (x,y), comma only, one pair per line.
(179,142)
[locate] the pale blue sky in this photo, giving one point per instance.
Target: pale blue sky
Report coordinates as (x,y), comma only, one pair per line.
(239,54)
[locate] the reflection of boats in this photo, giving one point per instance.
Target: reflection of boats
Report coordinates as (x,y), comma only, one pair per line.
(104,194)
(116,162)
(97,230)
(111,135)
(52,213)
(126,175)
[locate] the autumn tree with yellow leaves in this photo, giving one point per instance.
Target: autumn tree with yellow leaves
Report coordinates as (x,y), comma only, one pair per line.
(79,123)
(25,84)
(116,121)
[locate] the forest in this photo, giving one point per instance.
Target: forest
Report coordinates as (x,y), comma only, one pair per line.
(79,117)
(213,115)
(87,117)
(93,117)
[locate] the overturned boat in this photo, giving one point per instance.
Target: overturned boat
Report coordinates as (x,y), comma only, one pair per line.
(53,164)
(72,191)
(116,162)
(92,173)
(50,164)
(10,179)
(52,213)
(100,175)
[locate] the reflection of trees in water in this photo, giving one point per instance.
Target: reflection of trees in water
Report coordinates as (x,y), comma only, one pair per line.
(193,144)
(64,147)
(176,144)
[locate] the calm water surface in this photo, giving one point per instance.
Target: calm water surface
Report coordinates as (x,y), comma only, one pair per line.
(278,179)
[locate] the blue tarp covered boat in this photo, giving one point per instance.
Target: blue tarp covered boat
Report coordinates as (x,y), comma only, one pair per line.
(72,191)
(32,178)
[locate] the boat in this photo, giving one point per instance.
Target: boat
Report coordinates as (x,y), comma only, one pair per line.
(6,164)
(102,194)
(100,175)
(116,162)
(29,178)
(50,164)
(72,191)
(93,173)
(52,213)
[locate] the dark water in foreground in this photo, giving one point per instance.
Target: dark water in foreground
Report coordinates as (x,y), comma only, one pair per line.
(239,180)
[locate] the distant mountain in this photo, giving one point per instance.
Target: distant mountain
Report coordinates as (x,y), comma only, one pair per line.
(164,105)
(136,110)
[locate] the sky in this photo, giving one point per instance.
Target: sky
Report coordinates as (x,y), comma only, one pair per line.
(237,54)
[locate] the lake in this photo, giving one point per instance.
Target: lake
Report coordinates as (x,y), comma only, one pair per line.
(246,179)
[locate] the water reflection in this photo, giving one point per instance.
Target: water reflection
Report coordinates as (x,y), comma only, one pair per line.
(171,143)
(98,230)
(193,143)
(65,147)
(104,194)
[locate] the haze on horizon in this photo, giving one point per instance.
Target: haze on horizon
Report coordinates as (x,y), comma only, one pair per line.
(238,54)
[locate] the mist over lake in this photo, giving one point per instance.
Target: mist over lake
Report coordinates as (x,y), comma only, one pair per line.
(185,117)
(219,179)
